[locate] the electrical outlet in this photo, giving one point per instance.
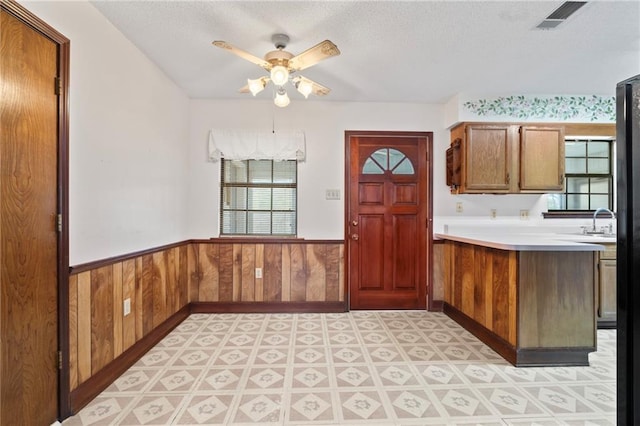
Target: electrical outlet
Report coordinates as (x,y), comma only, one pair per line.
(524,214)
(493,213)
(126,307)
(459,207)
(258,272)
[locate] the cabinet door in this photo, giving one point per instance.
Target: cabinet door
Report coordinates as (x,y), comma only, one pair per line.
(487,158)
(541,159)
(607,290)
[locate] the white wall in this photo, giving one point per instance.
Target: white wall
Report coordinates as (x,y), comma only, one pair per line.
(324,124)
(128,144)
(139,175)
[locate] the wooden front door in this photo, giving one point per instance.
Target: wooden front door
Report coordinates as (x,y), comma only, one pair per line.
(388,219)
(30,201)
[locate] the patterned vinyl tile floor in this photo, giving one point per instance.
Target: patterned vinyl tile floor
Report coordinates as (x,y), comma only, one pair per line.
(355,368)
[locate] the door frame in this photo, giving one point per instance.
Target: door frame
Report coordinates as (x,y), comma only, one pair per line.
(63,46)
(347,202)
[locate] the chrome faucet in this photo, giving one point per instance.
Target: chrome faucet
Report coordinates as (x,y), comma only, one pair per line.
(595,214)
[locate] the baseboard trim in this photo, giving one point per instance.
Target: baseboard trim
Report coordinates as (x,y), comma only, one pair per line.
(491,339)
(607,324)
(436,306)
(554,357)
(267,307)
(88,390)
(521,357)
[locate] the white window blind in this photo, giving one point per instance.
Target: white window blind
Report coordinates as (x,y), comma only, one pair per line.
(258,197)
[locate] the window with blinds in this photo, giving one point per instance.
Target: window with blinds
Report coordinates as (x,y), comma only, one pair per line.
(258,197)
(588,176)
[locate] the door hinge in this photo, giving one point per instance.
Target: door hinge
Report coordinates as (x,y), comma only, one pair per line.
(57,82)
(59,222)
(59,360)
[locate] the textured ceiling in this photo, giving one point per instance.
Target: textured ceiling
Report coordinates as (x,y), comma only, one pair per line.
(391,51)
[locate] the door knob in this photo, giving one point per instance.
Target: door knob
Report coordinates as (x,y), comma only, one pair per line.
(354,237)
(354,223)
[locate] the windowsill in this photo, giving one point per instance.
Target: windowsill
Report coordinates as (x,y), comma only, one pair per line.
(572,214)
(257,237)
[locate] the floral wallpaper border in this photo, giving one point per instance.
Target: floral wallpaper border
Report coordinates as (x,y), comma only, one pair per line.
(592,107)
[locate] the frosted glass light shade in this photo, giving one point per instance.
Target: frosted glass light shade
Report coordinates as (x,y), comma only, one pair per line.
(279,75)
(305,88)
(281,99)
(256,86)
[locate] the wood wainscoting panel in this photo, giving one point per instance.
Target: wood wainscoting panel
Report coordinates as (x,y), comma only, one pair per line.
(129,292)
(248,277)
(83,330)
(192,272)
(157,286)
(182,277)
(298,274)
(438,272)
(225,273)
(101,317)
(208,272)
(333,263)
(481,283)
(165,284)
(272,273)
(73,334)
(316,278)
(158,289)
(286,273)
(145,275)
(291,272)
(117,309)
(557,299)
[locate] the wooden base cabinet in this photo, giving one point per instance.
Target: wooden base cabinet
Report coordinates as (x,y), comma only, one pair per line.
(505,158)
(606,287)
(535,308)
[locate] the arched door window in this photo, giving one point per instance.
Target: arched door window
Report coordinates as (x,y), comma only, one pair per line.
(388,159)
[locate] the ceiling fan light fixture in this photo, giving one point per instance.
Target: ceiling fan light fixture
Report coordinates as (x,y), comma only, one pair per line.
(256,86)
(279,75)
(281,99)
(304,87)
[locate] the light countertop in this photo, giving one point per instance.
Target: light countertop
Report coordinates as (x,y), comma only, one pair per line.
(529,241)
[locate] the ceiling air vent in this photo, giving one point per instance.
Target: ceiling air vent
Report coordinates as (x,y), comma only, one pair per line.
(561,14)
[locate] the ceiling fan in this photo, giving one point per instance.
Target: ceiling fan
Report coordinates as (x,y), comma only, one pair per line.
(281,66)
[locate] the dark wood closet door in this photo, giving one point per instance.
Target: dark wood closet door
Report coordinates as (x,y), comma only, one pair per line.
(28,217)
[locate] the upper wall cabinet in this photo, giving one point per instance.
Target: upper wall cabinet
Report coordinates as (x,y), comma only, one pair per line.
(504,158)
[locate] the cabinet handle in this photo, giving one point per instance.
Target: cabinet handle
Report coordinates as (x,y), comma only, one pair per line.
(508,178)
(561,180)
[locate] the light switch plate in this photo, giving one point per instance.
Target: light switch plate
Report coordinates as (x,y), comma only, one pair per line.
(332,194)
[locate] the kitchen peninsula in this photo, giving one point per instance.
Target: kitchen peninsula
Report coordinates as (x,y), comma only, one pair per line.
(529,296)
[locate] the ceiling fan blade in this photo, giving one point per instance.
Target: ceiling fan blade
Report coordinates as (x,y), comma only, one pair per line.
(316,88)
(312,56)
(244,55)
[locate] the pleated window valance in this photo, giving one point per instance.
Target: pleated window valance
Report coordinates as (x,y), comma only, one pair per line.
(256,145)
